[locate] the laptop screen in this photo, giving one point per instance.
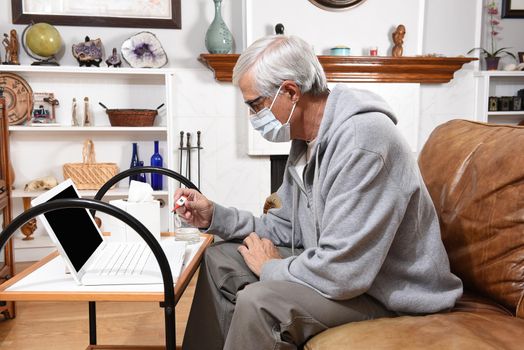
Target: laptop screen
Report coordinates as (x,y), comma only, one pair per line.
(75,230)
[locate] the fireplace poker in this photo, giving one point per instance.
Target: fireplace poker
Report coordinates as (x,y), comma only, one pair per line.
(181,148)
(198,155)
(188,164)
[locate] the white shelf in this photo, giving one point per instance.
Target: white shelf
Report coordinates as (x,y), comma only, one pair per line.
(497,83)
(499,73)
(16,128)
(85,70)
(117,192)
(515,113)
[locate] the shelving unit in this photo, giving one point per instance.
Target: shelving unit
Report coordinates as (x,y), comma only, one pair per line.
(39,151)
(498,83)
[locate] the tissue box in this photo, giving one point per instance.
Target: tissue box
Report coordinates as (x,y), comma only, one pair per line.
(148,213)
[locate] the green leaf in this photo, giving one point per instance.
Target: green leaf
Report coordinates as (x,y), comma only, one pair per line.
(504,50)
(480,49)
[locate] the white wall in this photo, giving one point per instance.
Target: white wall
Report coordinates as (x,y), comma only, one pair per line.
(451,28)
(369,24)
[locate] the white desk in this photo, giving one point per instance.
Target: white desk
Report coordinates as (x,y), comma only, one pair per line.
(46,280)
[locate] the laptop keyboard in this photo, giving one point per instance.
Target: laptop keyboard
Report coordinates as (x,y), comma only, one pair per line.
(123,259)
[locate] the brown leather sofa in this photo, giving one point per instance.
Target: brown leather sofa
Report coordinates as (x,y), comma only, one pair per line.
(475,175)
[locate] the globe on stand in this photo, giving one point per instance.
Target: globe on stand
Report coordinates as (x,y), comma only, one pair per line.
(42,40)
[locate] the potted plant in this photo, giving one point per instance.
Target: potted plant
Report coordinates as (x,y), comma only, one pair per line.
(492,56)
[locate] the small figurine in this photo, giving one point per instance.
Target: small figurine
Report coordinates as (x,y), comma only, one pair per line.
(41,184)
(89,52)
(53,102)
(74,119)
(28,229)
(87,113)
(279,29)
(14,47)
(6,45)
(114,59)
(398,40)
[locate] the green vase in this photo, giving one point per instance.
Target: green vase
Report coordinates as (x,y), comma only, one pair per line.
(218,37)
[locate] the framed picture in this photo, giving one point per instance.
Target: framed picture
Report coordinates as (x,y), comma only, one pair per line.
(335,5)
(43,109)
(512,9)
(100,13)
(521,56)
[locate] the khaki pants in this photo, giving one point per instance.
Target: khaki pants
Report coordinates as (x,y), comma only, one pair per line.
(232,309)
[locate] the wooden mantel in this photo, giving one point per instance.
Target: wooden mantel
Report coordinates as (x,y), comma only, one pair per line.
(363,69)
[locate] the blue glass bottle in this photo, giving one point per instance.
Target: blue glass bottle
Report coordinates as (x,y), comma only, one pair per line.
(156,160)
(141,176)
(134,162)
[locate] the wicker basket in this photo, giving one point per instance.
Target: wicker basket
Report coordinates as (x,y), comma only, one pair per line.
(89,175)
(131,117)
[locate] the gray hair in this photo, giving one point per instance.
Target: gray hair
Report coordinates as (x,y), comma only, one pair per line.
(275,58)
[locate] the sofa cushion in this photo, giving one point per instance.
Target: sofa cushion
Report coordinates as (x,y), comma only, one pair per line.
(475,175)
(474,323)
(454,330)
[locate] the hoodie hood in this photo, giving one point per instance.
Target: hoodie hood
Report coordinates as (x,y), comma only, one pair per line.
(343,103)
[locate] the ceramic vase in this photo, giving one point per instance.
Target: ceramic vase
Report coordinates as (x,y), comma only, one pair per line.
(218,37)
(492,63)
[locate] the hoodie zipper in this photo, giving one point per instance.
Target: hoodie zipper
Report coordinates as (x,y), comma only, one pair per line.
(309,192)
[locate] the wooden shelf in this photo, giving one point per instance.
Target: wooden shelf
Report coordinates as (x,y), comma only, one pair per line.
(363,69)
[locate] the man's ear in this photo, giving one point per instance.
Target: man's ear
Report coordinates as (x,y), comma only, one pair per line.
(291,89)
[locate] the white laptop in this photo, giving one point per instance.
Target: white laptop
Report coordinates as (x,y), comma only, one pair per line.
(94,261)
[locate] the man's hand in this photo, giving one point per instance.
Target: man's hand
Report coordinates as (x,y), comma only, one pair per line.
(197,210)
(256,252)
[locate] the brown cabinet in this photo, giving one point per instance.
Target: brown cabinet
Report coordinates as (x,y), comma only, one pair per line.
(6,255)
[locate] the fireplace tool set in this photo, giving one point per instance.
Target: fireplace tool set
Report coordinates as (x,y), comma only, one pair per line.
(187,150)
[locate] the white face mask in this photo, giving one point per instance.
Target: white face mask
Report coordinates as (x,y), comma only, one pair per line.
(269,126)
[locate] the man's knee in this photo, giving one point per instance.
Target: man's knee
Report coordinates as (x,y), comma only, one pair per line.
(259,295)
(225,267)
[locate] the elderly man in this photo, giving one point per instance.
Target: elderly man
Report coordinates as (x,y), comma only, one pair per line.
(357,236)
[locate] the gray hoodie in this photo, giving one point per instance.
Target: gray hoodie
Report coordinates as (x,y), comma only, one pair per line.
(362,215)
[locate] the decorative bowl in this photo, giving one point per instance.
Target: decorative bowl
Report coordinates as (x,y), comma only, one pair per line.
(340,51)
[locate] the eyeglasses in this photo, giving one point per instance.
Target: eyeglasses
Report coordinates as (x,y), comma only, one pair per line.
(255,105)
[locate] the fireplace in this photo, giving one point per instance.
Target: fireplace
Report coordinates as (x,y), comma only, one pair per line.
(278,165)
